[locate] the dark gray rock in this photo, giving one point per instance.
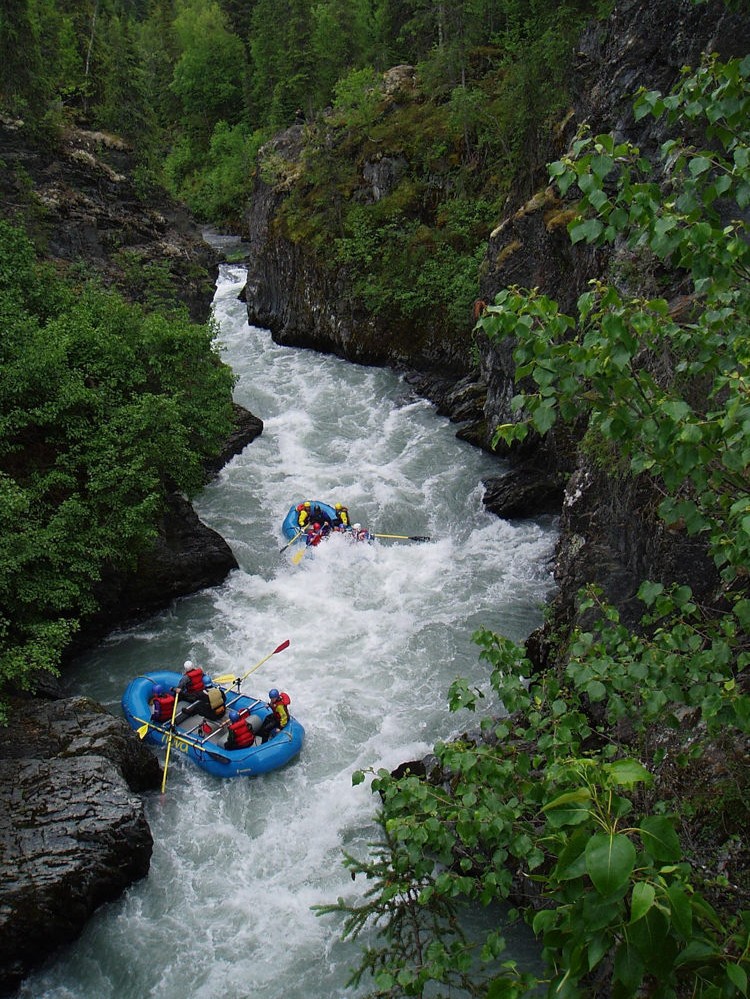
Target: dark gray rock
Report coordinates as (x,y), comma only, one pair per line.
(73,833)
(305,303)
(525,491)
(246,428)
(78,200)
(187,556)
(611,535)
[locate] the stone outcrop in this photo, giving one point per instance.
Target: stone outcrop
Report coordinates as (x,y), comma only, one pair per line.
(73,833)
(77,199)
(304,303)
(187,556)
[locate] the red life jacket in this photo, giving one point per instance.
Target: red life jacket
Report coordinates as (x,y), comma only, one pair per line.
(163,706)
(195,681)
(240,734)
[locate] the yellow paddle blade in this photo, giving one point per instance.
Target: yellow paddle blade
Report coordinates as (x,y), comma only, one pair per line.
(169,741)
(142,731)
(226,678)
(298,556)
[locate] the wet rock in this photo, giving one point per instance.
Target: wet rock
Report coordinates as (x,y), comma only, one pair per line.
(246,428)
(525,491)
(73,832)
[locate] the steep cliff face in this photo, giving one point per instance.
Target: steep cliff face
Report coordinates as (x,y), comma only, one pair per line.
(610,532)
(288,290)
(304,302)
(643,43)
(77,198)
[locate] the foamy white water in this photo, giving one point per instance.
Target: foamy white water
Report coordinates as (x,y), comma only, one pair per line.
(377,634)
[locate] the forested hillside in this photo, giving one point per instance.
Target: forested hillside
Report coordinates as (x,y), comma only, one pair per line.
(198,87)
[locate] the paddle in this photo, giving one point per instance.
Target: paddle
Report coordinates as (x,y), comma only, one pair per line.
(299,534)
(404,537)
(169,741)
(298,556)
(182,737)
(232,679)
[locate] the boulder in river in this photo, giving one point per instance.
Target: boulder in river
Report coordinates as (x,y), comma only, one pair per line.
(73,831)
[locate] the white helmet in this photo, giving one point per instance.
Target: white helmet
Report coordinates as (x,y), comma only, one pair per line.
(188,664)
(357,527)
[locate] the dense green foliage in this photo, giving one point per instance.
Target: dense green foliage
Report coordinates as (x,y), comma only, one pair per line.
(104,408)
(199,86)
(618,781)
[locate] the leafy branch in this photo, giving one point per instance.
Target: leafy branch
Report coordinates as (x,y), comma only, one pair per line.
(562,805)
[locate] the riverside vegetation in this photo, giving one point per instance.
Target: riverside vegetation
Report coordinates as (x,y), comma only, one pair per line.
(105,408)
(581,790)
(586,806)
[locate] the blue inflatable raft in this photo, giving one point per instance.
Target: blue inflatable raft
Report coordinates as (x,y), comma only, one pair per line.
(201,737)
(290,527)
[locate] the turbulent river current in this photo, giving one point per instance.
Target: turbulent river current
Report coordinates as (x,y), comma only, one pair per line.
(377,634)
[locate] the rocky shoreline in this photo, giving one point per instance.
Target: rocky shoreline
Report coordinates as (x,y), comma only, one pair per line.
(73,830)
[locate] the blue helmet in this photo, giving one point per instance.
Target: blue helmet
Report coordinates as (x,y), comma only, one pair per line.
(158,689)
(273,694)
(234,714)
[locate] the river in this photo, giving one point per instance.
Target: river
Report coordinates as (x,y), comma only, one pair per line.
(377,634)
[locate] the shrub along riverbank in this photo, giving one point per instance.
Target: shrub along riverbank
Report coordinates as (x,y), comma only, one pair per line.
(612,805)
(106,408)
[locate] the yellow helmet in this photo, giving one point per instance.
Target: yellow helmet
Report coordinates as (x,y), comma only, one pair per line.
(307,504)
(339,506)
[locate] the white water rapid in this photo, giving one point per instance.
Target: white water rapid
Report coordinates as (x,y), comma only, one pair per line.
(377,634)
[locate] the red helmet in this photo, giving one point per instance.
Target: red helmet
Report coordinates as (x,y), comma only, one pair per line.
(300,506)
(316,526)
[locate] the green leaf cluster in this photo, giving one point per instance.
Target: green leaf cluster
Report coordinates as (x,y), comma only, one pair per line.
(104,409)
(670,392)
(569,800)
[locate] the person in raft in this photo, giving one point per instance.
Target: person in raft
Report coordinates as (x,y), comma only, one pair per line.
(278,702)
(162,705)
(303,515)
(193,680)
(198,690)
(240,734)
(341,521)
(316,533)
